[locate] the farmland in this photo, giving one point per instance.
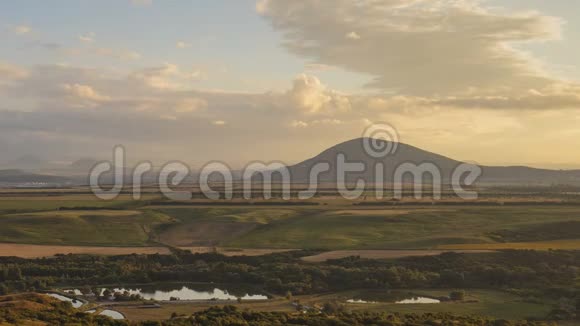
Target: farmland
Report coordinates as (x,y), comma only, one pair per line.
(81,220)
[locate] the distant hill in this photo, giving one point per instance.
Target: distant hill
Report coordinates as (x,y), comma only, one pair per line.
(21,177)
(354,152)
(84,164)
(26,162)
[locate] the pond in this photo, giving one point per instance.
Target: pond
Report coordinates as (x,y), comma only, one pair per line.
(113,314)
(75,303)
(396,297)
(189,292)
(418,300)
(359,301)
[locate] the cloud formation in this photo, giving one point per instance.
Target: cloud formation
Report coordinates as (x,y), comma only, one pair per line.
(55,110)
(417,47)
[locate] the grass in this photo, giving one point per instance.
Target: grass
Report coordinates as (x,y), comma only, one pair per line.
(20,204)
(417,228)
(538,245)
(329,227)
(94,228)
(489,303)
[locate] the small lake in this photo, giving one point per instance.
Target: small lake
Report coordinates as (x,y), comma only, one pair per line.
(395,297)
(189,293)
(113,314)
(359,301)
(75,303)
(415,300)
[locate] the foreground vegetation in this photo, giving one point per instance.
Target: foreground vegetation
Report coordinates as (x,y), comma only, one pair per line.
(549,277)
(32,309)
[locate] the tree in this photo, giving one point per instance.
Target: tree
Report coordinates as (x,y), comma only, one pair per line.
(457,295)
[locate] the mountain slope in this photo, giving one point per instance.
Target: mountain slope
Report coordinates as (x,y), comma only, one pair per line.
(354,151)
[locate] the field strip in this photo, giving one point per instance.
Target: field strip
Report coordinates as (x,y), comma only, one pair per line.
(381,254)
(573,244)
(236,252)
(38,251)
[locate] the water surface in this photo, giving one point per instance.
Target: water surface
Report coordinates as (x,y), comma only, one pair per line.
(75,303)
(188,293)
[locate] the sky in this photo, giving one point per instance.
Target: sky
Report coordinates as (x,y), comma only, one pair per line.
(493,82)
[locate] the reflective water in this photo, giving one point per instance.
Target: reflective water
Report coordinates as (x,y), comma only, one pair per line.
(75,303)
(359,301)
(188,293)
(113,314)
(418,300)
(396,297)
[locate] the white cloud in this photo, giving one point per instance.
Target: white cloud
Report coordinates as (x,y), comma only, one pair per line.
(182,45)
(312,97)
(219,123)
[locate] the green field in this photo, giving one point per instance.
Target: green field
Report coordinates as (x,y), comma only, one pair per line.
(96,228)
(331,227)
(339,228)
(477,301)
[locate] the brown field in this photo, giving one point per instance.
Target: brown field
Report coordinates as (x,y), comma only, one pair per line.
(380,254)
(38,251)
(573,244)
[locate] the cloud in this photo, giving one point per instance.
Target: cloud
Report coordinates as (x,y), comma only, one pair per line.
(11,72)
(439,47)
(167,76)
(298,124)
(118,54)
(22,29)
(318,67)
(40,112)
(82,96)
(182,45)
(533,100)
(312,97)
(87,38)
(352,36)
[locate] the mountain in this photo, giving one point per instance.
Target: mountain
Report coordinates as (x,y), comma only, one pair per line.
(13,176)
(84,164)
(26,162)
(354,151)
